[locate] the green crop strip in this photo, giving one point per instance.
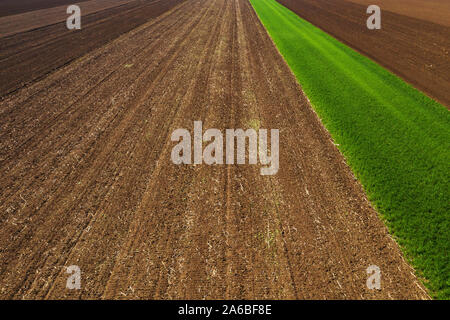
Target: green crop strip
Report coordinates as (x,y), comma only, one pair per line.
(395,139)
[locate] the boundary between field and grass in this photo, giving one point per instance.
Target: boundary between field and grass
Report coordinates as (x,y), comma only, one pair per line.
(395,139)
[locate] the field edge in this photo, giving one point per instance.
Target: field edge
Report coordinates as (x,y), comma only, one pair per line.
(408,256)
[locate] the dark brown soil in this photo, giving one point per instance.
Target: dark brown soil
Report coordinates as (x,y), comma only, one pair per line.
(10,7)
(28,56)
(416,50)
(32,20)
(86,177)
(436,11)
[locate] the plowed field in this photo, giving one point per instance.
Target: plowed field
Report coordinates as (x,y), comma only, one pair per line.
(30,55)
(86,177)
(413,42)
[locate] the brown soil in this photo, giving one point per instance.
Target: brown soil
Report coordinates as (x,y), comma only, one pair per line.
(436,11)
(416,50)
(23,22)
(29,56)
(86,177)
(10,7)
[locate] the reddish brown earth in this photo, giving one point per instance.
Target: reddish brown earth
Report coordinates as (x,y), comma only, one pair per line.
(35,19)
(29,56)
(416,50)
(86,176)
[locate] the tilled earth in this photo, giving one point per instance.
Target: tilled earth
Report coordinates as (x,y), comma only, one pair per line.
(37,19)
(436,11)
(415,49)
(86,176)
(29,56)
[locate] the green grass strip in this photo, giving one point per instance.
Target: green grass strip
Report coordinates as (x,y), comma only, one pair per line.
(395,139)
